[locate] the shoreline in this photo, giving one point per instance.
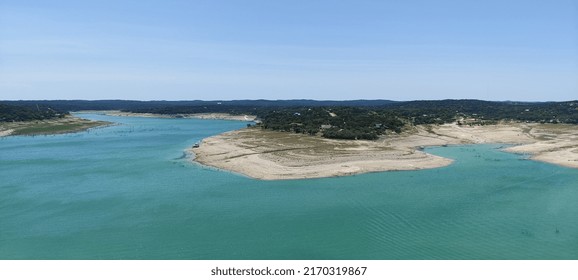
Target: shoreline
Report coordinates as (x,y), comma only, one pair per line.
(69,124)
(271,155)
(205,116)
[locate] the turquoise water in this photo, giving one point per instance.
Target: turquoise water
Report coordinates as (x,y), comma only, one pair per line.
(125,192)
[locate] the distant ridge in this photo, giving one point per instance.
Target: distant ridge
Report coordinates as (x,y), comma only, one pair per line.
(78,105)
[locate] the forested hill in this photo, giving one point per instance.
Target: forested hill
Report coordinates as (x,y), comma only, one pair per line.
(371,122)
(419,112)
(443,111)
(357,119)
(194,106)
(10,113)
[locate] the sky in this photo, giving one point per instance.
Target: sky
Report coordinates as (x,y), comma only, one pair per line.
(523,50)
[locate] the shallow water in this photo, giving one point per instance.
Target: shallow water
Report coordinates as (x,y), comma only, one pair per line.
(126,192)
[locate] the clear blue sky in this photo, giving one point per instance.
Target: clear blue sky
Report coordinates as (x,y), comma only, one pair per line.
(285,49)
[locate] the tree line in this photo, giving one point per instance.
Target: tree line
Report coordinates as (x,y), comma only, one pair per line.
(333,122)
(357,119)
(11,113)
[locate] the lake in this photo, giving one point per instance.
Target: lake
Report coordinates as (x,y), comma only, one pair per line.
(128,192)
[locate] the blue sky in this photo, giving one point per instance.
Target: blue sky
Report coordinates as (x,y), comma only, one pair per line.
(315,49)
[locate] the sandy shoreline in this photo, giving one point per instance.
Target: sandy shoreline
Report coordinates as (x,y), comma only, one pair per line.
(271,155)
(207,116)
(6,132)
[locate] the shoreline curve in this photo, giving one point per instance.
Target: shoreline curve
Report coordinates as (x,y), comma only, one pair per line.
(271,155)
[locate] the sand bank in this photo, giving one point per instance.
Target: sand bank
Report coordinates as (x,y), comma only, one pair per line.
(6,132)
(212,116)
(557,144)
(271,155)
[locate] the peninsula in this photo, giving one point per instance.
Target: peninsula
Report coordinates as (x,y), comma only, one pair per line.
(273,155)
(324,141)
(41,120)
